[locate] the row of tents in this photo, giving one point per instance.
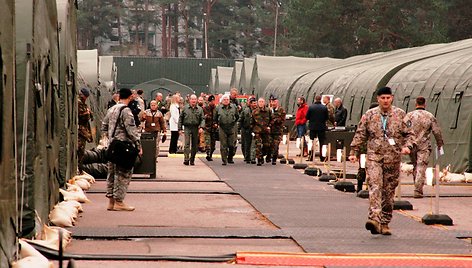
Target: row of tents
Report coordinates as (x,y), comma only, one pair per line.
(440,72)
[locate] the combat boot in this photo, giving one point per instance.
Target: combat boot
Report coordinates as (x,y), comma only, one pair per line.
(230,160)
(253,162)
(268,159)
(186,162)
(121,206)
(111,203)
(208,157)
(260,161)
(373,226)
(274,160)
(386,230)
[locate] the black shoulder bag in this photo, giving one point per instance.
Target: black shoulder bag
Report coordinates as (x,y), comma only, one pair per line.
(122,153)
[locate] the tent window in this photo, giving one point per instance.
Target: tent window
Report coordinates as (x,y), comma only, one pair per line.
(435,100)
(361,111)
(406,103)
(457,108)
(352,105)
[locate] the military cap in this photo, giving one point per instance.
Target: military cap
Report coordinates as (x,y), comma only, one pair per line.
(211,98)
(384,91)
(252,99)
(272,97)
(85,91)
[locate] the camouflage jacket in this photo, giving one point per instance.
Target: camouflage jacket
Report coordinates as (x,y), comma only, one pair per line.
(245,120)
(277,120)
(370,130)
(422,123)
(85,131)
(209,112)
(153,121)
(261,120)
(191,117)
(331,112)
(226,116)
(126,129)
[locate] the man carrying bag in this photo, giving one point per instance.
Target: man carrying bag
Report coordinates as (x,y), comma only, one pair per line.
(120,127)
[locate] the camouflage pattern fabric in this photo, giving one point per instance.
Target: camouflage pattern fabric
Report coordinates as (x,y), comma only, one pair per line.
(422,123)
(118,181)
(211,131)
(331,112)
(245,121)
(276,130)
(383,158)
(85,115)
(262,145)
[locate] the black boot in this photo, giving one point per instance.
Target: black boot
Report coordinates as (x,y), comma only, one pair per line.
(260,161)
(208,157)
(274,160)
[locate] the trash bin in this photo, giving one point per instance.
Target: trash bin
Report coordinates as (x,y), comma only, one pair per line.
(147,165)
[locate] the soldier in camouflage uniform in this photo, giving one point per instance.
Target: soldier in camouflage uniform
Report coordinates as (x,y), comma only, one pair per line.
(331,111)
(226,117)
(211,129)
(85,132)
(261,127)
(191,118)
(245,124)
(422,123)
(124,129)
(387,136)
(276,127)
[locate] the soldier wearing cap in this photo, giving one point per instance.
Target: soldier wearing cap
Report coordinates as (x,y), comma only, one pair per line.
(387,136)
(261,127)
(276,126)
(247,141)
(211,129)
(226,117)
(422,123)
(85,131)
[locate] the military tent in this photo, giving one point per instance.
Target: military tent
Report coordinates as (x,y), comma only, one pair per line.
(223,79)
(236,74)
(245,78)
(164,86)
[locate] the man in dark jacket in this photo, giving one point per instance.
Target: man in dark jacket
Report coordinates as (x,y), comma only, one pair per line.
(340,115)
(317,116)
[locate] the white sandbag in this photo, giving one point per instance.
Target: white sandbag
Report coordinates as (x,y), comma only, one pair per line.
(33,262)
(406,168)
(83,183)
(72,187)
(28,250)
(61,217)
(70,210)
(72,203)
(77,196)
(453,177)
(86,177)
(468,177)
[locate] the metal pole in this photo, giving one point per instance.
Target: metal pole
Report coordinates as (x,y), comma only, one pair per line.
(436,180)
(344,163)
(288,144)
(276,23)
(205,26)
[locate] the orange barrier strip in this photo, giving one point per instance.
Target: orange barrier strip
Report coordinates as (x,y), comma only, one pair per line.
(320,260)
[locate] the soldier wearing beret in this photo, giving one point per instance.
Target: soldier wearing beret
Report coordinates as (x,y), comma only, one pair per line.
(387,136)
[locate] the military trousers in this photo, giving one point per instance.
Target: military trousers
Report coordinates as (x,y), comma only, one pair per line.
(275,140)
(227,141)
(210,140)
(262,144)
(191,143)
(81,142)
(248,145)
(382,179)
(420,160)
(118,179)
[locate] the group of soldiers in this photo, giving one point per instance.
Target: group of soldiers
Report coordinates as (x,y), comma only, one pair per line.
(260,126)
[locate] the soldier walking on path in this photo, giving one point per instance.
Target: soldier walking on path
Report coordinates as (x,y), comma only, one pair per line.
(154,123)
(261,128)
(387,136)
(191,118)
(226,117)
(245,123)
(119,124)
(85,132)
(276,127)
(422,123)
(211,129)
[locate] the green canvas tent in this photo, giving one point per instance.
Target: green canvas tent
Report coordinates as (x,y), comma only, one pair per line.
(223,79)
(245,78)
(164,86)
(236,74)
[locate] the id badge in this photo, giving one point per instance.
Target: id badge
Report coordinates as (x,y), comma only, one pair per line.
(391,141)
(153,124)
